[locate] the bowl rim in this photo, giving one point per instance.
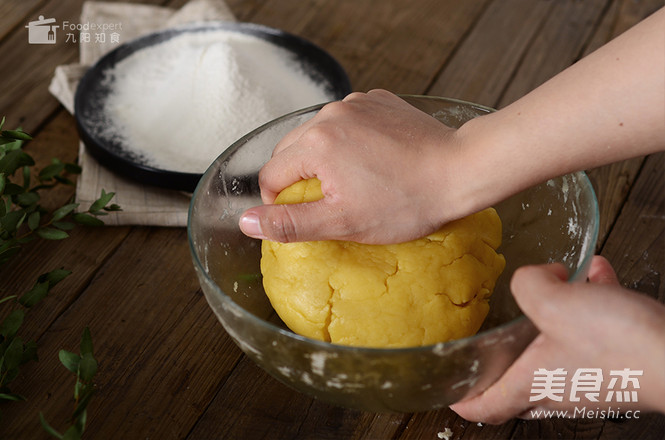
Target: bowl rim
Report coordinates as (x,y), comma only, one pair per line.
(324,345)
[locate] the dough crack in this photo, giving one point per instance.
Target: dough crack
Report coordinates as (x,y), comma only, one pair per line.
(326,324)
(385,296)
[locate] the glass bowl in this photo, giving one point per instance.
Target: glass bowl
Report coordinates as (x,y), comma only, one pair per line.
(556,221)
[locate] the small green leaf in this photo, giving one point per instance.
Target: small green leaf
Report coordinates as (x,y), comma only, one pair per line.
(16,134)
(9,252)
(3,181)
(14,160)
(63,211)
(65,226)
(54,277)
(11,145)
(34,295)
(72,433)
(27,199)
(69,360)
(12,220)
(33,220)
(87,367)
(86,219)
(51,234)
(12,323)
(101,202)
(12,189)
(86,342)
(6,244)
(42,187)
(50,171)
(7,144)
(29,352)
(26,239)
(73,168)
(10,375)
(12,397)
(48,428)
(113,207)
(249,277)
(13,354)
(64,180)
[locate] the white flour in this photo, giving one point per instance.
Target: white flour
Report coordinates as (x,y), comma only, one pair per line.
(179,104)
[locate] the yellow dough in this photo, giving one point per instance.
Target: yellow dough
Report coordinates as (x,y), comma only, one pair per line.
(425,291)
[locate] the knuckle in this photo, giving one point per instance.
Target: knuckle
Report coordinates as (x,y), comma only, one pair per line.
(332,109)
(347,227)
(342,225)
(283,227)
(322,137)
(354,96)
(379,92)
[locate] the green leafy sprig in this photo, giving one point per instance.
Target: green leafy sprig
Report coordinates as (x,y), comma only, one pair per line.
(14,352)
(84,366)
(23,219)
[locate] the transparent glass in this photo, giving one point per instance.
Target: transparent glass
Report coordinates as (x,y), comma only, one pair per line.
(553,222)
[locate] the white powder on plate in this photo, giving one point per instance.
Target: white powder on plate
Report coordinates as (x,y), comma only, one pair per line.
(178,104)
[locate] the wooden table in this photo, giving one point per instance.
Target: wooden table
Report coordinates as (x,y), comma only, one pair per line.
(167,369)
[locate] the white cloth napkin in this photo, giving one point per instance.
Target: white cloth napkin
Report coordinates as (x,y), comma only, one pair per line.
(141,205)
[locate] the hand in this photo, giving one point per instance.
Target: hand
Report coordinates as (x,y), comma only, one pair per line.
(593,325)
(391,173)
(382,164)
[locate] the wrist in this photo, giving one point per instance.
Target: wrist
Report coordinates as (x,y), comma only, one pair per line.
(451,177)
(490,156)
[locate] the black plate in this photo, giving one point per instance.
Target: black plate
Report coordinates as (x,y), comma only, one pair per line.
(92,92)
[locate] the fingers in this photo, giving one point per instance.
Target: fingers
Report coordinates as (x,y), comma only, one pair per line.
(540,291)
(307,150)
(532,287)
(581,324)
(509,396)
(371,153)
(324,142)
(290,223)
(548,300)
(601,272)
(285,168)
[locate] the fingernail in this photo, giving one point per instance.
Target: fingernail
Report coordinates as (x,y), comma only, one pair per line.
(251,225)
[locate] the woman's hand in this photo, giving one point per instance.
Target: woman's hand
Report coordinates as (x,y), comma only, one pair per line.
(391,173)
(597,325)
(382,165)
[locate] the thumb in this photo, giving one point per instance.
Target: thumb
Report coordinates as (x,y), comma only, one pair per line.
(601,272)
(542,293)
(288,223)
